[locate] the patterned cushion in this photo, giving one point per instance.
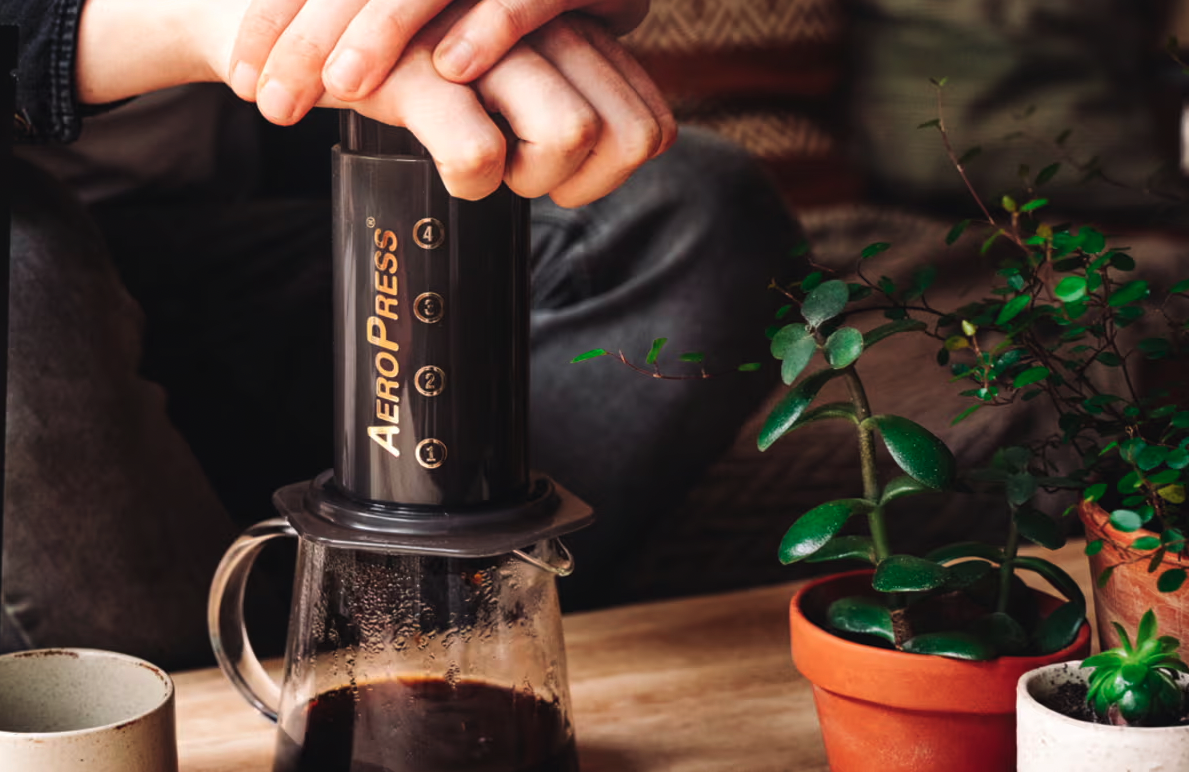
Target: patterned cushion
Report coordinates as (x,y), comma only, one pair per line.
(761,73)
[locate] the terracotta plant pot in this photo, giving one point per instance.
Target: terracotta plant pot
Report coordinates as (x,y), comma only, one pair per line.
(1131,590)
(1052,742)
(890,711)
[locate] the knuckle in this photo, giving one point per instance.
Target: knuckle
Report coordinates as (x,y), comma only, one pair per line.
(579,132)
(639,142)
(515,16)
(476,159)
(300,47)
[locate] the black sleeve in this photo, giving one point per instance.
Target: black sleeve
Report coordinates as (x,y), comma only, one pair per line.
(47,108)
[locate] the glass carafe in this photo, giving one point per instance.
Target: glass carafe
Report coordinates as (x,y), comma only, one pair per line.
(401,662)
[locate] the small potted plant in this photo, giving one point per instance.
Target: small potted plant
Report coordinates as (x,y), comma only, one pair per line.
(871,641)
(1123,707)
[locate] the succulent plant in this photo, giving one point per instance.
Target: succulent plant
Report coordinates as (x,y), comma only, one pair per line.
(1137,685)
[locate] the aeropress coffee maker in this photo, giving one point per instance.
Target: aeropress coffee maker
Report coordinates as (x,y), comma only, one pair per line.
(425,632)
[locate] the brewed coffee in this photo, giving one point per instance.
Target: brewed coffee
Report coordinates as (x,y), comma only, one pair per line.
(428,725)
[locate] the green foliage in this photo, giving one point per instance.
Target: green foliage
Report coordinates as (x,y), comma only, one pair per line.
(1136,685)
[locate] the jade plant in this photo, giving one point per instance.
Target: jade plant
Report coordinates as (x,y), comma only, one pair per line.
(964,600)
(1137,685)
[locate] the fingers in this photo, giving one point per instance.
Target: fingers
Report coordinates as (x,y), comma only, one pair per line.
(288,52)
(373,42)
(263,23)
(493,27)
(631,132)
(447,118)
(291,80)
(554,127)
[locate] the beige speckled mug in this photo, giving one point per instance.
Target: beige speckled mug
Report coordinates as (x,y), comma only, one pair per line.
(70,710)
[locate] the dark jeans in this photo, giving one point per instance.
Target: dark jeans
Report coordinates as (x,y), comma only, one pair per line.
(171,366)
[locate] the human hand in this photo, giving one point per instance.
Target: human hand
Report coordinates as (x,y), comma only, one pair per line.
(288,52)
(582,114)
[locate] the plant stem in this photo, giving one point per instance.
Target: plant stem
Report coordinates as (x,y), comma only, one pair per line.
(858,397)
(1007,568)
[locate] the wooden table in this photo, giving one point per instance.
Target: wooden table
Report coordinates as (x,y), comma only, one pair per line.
(691,685)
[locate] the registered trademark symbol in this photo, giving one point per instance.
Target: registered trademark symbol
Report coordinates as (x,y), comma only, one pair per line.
(371,222)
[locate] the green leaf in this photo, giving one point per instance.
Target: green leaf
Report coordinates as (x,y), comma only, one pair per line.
(1071,288)
(969,155)
(1122,261)
(990,241)
(1001,631)
(916,450)
(1171,580)
(1020,487)
(814,529)
(1178,458)
(965,414)
(1030,376)
(956,232)
(908,573)
(787,412)
(696,357)
(1128,293)
(788,337)
(864,616)
(796,357)
(1013,308)
(825,302)
(1095,492)
(871,337)
(1094,547)
(899,487)
(844,347)
(845,548)
(1091,240)
(598,352)
(1061,581)
(655,351)
(1034,204)
(871,250)
(1146,543)
(1039,528)
(1060,628)
(750,367)
(1105,576)
(1126,520)
(812,281)
(1046,174)
(954,645)
(1179,287)
(1151,457)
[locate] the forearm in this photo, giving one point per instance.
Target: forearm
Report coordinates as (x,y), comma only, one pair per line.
(132,47)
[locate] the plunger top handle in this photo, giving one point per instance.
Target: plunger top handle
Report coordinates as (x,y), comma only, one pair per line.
(225,618)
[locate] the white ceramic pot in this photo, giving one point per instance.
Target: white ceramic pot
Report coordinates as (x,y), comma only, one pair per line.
(1048,741)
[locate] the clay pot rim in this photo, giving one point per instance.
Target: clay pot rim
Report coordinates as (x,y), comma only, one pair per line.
(1082,674)
(828,661)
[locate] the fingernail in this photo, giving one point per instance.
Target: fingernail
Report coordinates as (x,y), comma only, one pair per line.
(345,73)
(276,102)
(243,80)
(454,57)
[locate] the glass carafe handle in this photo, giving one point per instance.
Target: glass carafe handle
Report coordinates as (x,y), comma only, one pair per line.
(225,617)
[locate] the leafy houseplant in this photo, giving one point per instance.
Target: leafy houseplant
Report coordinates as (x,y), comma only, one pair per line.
(916,594)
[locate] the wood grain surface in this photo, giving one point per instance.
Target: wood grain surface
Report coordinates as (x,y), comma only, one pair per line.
(694,685)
